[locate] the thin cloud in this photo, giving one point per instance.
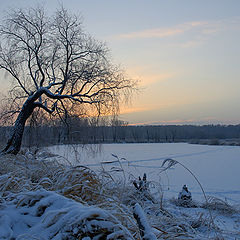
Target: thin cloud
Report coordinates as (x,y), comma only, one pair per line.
(201,28)
(147,79)
(148,76)
(189,44)
(163,32)
(167,122)
(135,110)
(177,121)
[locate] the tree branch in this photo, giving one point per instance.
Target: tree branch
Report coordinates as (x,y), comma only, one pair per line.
(40,105)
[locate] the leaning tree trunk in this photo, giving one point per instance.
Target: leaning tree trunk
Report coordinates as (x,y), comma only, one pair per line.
(14,143)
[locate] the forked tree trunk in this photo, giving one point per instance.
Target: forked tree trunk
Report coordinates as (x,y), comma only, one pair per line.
(14,143)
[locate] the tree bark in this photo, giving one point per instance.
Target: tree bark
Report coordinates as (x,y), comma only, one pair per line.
(14,143)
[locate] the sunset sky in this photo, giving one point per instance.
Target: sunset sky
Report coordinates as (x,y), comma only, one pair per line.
(185,53)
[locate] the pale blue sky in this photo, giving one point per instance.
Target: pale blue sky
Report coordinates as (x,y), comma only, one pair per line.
(186,54)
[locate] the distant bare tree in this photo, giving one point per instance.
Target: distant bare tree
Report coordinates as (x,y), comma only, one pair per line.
(57,67)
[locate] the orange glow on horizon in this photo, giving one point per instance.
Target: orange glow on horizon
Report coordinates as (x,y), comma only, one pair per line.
(175,122)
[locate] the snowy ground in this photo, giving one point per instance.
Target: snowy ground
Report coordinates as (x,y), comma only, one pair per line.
(42,199)
(216,167)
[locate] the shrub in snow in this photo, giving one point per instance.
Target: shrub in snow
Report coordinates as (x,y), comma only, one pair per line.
(142,184)
(185,194)
(185,197)
(142,187)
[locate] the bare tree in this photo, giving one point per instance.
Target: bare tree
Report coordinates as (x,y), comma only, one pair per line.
(57,67)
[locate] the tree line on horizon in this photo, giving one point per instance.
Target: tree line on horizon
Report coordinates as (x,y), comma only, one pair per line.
(76,130)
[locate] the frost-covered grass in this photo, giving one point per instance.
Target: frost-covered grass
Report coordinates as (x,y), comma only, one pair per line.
(43,199)
(35,201)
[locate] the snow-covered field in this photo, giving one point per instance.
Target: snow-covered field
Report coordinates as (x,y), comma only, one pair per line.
(42,199)
(216,167)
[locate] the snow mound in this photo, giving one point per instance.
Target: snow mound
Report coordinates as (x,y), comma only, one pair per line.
(47,215)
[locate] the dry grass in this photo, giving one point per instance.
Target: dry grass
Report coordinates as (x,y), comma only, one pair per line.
(78,182)
(220,206)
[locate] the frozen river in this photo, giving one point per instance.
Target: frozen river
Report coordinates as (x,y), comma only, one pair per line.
(216,167)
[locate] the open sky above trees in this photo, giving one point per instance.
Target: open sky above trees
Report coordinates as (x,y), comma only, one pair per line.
(186,55)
